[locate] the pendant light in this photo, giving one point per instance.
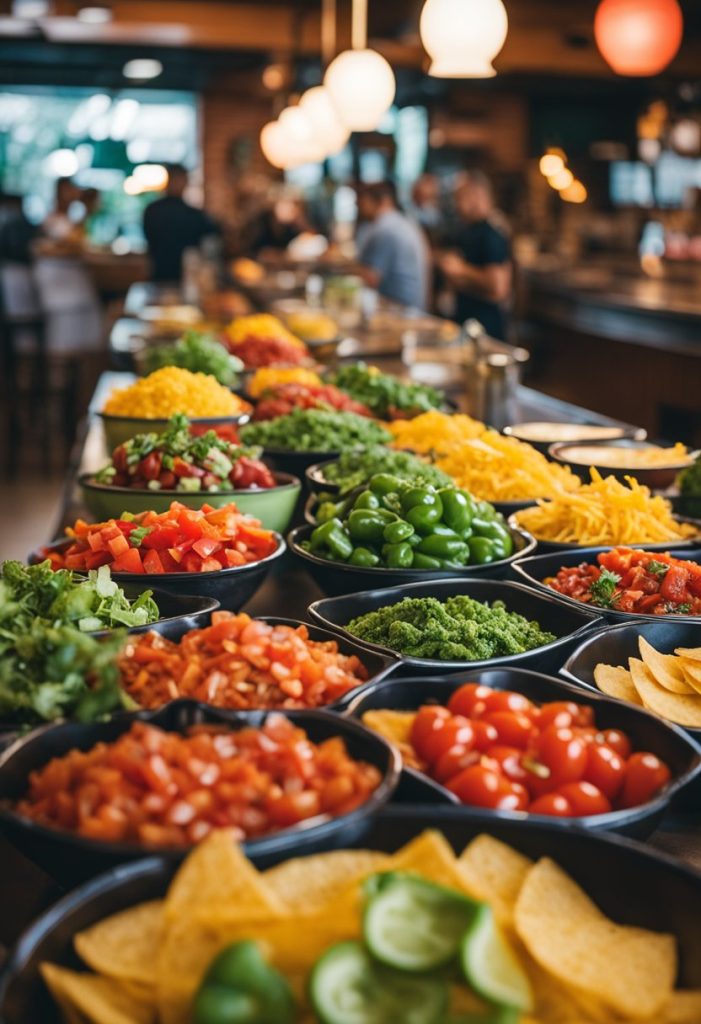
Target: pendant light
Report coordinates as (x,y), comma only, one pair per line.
(317,105)
(276,147)
(360,81)
(463,37)
(638,37)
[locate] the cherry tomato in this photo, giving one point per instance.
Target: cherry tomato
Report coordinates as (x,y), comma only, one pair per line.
(552,804)
(507,700)
(536,776)
(513,729)
(561,713)
(605,769)
(646,775)
(470,700)
(564,753)
(509,759)
(453,761)
(588,735)
(616,740)
(478,785)
(429,720)
(584,798)
(515,797)
(485,735)
(457,730)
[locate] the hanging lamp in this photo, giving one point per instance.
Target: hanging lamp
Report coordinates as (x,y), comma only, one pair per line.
(638,37)
(360,81)
(463,37)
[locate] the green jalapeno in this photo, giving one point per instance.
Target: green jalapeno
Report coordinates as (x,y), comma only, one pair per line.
(424,518)
(398,556)
(481,550)
(364,558)
(384,483)
(366,500)
(332,536)
(458,509)
(437,546)
(395,533)
(420,561)
(366,526)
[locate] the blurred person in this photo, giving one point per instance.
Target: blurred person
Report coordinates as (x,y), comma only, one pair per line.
(426,206)
(392,252)
(478,266)
(58,226)
(16,232)
(285,221)
(171,226)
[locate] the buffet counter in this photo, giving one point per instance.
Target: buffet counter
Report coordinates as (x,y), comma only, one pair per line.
(644,330)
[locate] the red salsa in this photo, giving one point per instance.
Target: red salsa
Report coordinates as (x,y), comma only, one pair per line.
(640,582)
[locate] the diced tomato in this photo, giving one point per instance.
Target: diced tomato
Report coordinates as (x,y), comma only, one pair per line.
(118,545)
(130,561)
(94,559)
(206,546)
(163,537)
(96,541)
(152,563)
(210,565)
(674,585)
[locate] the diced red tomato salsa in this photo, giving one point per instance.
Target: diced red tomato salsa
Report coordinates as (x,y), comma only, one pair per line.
(627,580)
(179,540)
(166,789)
(282,400)
(239,662)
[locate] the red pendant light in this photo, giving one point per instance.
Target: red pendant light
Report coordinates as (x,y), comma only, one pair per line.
(638,37)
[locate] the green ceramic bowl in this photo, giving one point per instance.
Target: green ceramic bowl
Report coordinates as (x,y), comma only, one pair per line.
(119,429)
(274,506)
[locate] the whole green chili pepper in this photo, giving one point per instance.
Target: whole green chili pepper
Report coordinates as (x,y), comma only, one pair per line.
(395,533)
(398,556)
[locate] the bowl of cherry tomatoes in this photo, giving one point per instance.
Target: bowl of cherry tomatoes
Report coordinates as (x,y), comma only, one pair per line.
(520,743)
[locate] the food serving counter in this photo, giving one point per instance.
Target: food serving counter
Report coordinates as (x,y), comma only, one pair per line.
(24,889)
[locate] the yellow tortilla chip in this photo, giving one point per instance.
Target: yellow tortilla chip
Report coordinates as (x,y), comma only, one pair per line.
(692,673)
(630,970)
(684,1007)
(692,653)
(494,872)
(664,668)
(217,879)
(431,856)
(99,1000)
(305,883)
(677,707)
(616,682)
(122,946)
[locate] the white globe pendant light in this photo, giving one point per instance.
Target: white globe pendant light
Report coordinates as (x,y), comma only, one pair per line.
(360,82)
(463,37)
(325,120)
(275,145)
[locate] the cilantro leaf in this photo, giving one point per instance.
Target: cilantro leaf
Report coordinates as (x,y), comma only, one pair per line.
(657,568)
(603,589)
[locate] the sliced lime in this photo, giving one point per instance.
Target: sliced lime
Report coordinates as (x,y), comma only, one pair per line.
(348,987)
(491,966)
(414,925)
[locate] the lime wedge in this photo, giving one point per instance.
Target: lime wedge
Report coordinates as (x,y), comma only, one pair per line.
(413,925)
(490,965)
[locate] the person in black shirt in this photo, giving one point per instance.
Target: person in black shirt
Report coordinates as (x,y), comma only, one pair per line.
(478,266)
(171,226)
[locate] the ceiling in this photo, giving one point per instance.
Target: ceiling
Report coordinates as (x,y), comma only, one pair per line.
(201,41)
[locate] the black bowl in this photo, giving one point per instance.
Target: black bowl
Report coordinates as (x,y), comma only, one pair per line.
(178,612)
(646,732)
(568,624)
(70,858)
(294,462)
(315,479)
(232,588)
(547,547)
(534,570)
(618,874)
(336,578)
(505,508)
(616,644)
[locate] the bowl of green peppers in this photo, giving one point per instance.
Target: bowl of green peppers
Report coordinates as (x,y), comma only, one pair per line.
(396,531)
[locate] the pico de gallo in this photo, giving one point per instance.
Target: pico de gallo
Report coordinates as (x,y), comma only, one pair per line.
(282,400)
(165,789)
(639,582)
(498,749)
(179,540)
(177,460)
(255,352)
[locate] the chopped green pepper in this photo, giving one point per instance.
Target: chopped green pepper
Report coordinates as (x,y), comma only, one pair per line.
(332,535)
(398,556)
(366,500)
(367,526)
(438,546)
(481,550)
(458,509)
(395,533)
(364,558)
(385,483)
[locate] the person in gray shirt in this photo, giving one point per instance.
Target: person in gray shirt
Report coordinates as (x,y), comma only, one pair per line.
(393,253)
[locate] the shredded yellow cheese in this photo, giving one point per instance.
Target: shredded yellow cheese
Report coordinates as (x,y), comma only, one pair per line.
(171,390)
(260,325)
(434,432)
(605,512)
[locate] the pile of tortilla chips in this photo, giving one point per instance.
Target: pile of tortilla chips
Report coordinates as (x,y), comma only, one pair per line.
(149,960)
(667,684)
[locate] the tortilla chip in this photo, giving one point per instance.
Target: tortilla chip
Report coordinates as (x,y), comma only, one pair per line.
(494,872)
(682,1008)
(306,883)
(122,946)
(616,682)
(692,673)
(432,856)
(100,1000)
(677,707)
(630,970)
(395,726)
(692,653)
(664,668)
(217,879)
